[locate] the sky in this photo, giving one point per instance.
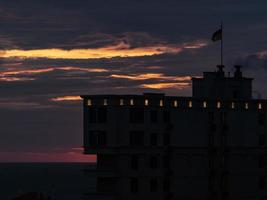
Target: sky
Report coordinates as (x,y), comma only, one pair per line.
(51,52)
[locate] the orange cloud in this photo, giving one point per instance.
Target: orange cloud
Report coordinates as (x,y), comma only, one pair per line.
(81,69)
(30,71)
(11,75)
(195,45)
(11,79)
(67,98)
(107,52)
(137,76)
(151,76)
(179,86)
(39,71)
(119,50)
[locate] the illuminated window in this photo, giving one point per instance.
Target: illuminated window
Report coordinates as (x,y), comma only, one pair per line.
(175,103)
(233,105)
(161,103)
(105,102)
(218,104)
(146,102)
(246,105)
(121,102)
(131,102)
(204,104)
(89,102)
(190,104)
(260,106)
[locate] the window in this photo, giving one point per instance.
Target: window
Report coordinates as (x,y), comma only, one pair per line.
(105,102)
(235,94)
(261,118)
(261,183)
(211,163)
(166,139)
(146,102)
(165,162)
(211,116)
(97,115)
(246,106)
(154,116)
(97,138)
(175,103)
(89,102)
(166,116)
(136,115)
(153,162)
(154,139)
(137,138)
(211,139)
(262,140)
(223,117)
(259,106)
(224,139)
(204,104)
(134,185)
(218,104)
(166,185)
(212,127)
(261,161)
(233,105)
(153,185)
(131,102)
(102,115)
(190,104)
(121,102)
(134,162)
(92,113)
(161,103)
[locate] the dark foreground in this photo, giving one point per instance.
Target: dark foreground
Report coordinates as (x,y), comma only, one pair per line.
(66,181)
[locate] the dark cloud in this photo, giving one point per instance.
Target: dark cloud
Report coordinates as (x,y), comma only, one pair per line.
(33,122)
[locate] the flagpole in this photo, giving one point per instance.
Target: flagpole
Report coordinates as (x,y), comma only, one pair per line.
(222,44)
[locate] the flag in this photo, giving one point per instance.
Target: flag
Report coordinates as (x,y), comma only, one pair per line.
(217,35)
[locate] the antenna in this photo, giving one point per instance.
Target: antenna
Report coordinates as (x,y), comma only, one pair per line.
(222,43)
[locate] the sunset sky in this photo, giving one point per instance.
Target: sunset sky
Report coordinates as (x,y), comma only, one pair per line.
(53,51)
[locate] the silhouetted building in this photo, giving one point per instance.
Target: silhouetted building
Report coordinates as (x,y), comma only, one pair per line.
(208,146)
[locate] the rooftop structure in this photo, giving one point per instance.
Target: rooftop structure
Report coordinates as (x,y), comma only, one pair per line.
(208,146)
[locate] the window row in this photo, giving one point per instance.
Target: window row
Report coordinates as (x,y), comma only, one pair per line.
(154,184)
(261,162)
(136,115)
(137,139)
(175,103)
(223,140)
(154,162)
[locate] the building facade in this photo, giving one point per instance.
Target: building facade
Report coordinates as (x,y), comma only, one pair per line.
(208,146)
